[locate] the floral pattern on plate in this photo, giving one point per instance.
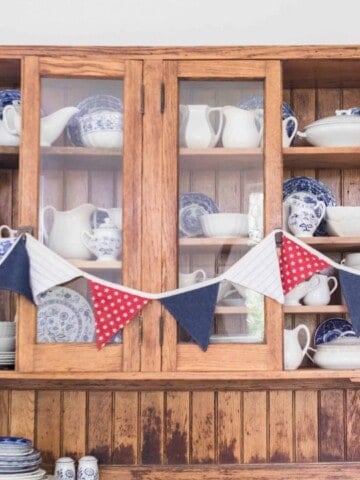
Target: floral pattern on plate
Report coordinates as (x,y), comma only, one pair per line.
(191,206)
(64,316)
(331,329)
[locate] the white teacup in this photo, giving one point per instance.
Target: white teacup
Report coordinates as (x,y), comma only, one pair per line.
(187,279)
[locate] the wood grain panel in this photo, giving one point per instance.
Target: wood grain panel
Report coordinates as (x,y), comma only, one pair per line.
(4,412)
(255,427)
(73,423)
(48,434)
(281,431)
(126,428)
(177,424)
(306,426)
(152,427)
(22,413)
(203,427)
(352,425)
(85,67)
(331,426)
(99,424)
(229,427)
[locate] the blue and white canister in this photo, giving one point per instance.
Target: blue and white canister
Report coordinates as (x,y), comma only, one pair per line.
(88,468)
(65,468)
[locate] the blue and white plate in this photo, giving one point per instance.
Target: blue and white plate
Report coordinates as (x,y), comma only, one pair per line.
(34,475)
(331,329)
(94,103)
(64,316)
(311,191)
(257,101)
(191,206)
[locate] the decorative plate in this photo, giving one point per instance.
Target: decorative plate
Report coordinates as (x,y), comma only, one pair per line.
(311,191)
(7,97)
(257,101)
(90,104)
(191,206)
(64,316)
(35,475)
(332,328)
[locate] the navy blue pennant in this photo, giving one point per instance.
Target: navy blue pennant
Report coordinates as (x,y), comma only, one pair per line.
(15,270)
(194,311)
(350,288)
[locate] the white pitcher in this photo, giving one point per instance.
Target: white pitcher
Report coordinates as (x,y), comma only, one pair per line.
(243,128)
(293,351)
(64,236)
(320,292)
(199,132)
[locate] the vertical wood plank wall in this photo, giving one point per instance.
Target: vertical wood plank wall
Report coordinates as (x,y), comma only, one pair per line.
(187,427)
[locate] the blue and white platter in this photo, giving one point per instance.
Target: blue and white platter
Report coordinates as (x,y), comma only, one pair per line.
(310,191)
(64,316)
(331,329)
(94,103)
(191,206)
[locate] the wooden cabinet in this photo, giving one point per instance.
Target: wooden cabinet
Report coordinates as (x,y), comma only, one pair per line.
(149,175)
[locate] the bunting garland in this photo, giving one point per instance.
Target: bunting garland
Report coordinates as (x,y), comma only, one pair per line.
(30,268)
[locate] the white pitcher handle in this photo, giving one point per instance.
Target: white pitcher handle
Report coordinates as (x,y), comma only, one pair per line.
(221,121)
(295,121)
(200,275)
(303,327)
(9,113)
(322,207)
(48,208)
(334,279)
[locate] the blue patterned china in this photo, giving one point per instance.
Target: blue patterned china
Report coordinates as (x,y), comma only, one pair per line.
(94,103)
(191,206)
(7,97)
(101,129)
(331,329)
(349,111)
(310,191)
(64,316)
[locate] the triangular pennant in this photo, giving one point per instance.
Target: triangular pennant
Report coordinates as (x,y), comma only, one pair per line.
(350,288)
(194,311)
(297,264)
(15,270)
(113,309)
(259,270)
(47,268)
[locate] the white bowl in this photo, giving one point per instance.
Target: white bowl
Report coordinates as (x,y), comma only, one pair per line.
(342,213)
(344,228)
(225,224)
(7,344)
(341,353)
(101,129)
(352,260)
(335,131)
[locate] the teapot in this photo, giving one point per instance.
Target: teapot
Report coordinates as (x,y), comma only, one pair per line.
(198,131)
(51,126)
(320,291)
(105,242)
(243,128)
(64,236)
(293,351)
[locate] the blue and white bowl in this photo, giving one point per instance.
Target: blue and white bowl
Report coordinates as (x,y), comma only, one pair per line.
(102,129)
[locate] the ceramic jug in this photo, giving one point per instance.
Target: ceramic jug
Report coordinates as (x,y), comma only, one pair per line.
(64,235)
(320,292)
(286,137)
(198,131)
(187,279)
(293,351)
(297,293)
(304,218)
(51,126)
(105,242)
(243,128)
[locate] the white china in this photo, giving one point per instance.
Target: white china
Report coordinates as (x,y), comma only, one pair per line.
(294,352)
(339,213)
(7,329)
(199,131)
(336,131)
(6,138)
(344,227)
(187,279)
(320,291)
(104,242)
(293,297)
(243,128)
(303,218)
(9,231)
(65,468)
(225,224)
(64,236)
(351,260)
(341,353)
(88,468)
(7,344)
(256,216)
(286,138)
(51,126)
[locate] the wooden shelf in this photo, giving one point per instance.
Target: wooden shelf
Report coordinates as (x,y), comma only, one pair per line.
(334,244)
(78,158)
(321,157)
(220,158)
(215,242)
(323,309)
(9,157)
(97,265)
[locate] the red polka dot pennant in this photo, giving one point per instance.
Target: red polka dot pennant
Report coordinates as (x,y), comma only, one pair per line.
(297,264)
(113,309)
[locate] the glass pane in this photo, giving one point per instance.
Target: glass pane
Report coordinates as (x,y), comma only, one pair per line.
(80,202)
(221,200)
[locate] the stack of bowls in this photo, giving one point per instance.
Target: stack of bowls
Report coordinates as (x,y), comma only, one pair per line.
(7,344)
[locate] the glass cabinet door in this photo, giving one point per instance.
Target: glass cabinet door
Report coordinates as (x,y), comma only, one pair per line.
(80,180)
(225,154)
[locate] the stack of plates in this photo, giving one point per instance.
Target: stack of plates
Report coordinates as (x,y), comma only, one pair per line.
(7,344)
(19,460)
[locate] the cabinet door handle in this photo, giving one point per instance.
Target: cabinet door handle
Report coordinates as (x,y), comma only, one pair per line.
(142,100)
(162,98)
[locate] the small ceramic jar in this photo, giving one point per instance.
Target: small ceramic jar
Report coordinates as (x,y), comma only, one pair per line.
(88,468)
(65,468)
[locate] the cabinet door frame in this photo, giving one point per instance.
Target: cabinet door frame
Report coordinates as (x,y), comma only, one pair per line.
(222,357)
(33,357)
